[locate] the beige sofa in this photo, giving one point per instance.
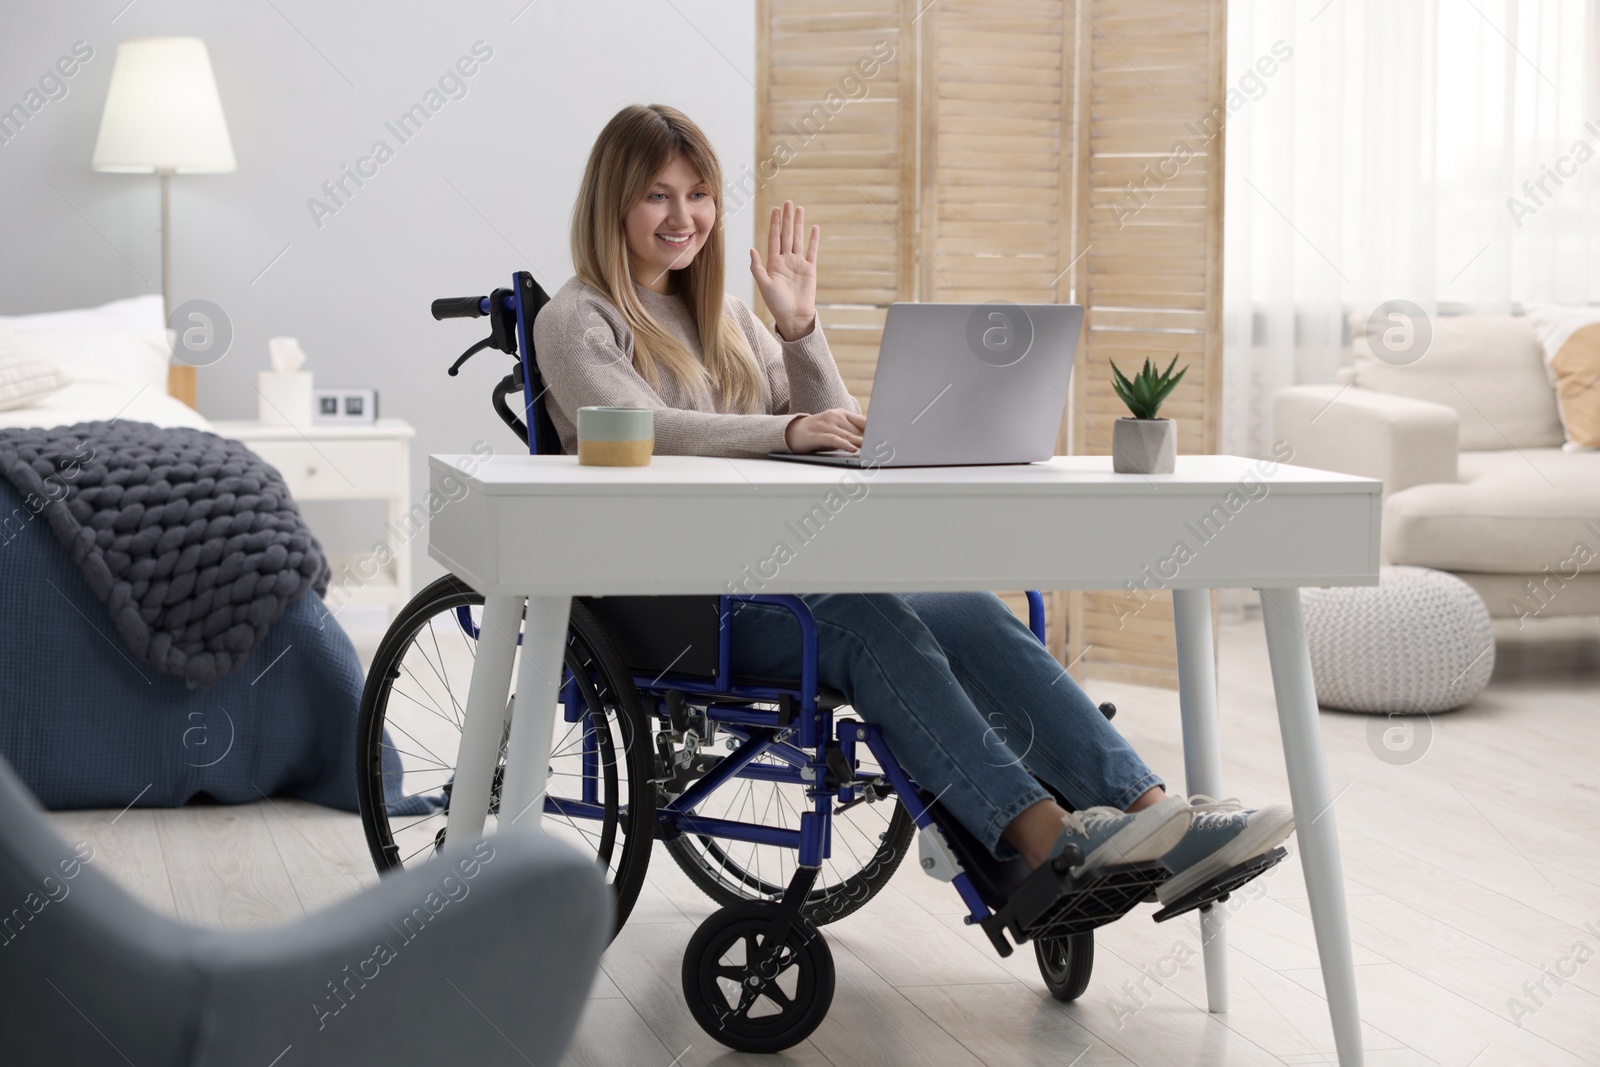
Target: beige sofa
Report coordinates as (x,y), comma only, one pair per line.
(1469,446)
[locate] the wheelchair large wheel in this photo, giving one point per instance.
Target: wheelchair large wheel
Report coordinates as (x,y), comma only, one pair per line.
(870,838)
(409,732)
(751,1003)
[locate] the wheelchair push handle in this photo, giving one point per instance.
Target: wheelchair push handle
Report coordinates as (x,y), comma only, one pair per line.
(500,305)
(511,312)
(460,307)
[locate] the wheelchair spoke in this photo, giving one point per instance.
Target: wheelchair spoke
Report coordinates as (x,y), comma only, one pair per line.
(448,772)
(436,662)
(586,833)
(747,814)
(756,850)
(435,710)
(402,730)
(426,818)
(460,712)
(590,731)
(413,796)
(429,847)
(433,759)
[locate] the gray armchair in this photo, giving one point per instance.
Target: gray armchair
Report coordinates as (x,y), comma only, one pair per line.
(485,958)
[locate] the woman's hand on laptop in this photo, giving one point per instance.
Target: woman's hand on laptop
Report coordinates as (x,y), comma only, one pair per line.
(834,428)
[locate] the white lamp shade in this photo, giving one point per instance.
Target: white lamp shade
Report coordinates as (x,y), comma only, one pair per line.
(162,111)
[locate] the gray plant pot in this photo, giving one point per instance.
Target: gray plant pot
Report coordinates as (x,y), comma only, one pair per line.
(1144,446)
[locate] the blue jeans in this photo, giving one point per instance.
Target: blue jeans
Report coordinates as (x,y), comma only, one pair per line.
(968,699)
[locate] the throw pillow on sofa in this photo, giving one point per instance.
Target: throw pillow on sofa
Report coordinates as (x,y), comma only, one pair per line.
(1570,337)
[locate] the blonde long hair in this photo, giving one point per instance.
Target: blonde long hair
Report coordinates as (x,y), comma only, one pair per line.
(635,146)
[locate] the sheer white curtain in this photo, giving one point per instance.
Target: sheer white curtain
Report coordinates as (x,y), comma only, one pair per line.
(1445,152)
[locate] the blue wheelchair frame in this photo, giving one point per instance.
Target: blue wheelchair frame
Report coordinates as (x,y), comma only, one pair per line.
(761,733)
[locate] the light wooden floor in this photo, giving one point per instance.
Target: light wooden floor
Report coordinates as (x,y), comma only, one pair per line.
(1468,871)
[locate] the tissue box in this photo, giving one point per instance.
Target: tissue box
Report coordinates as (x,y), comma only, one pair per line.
(285,399)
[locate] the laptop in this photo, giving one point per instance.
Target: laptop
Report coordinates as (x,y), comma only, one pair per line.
(966,384)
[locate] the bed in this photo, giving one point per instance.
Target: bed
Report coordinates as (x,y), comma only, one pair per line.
(85,722)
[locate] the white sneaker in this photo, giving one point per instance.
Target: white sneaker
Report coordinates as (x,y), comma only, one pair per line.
(1222,835)
(1107,836)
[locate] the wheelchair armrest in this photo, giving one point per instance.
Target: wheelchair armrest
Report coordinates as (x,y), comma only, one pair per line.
(1036,613)
(808,635)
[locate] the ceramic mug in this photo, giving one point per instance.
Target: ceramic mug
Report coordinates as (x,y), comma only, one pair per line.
(616,437)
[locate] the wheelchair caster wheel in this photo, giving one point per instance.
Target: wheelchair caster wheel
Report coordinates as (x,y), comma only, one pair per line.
(1066,963)
(748,997)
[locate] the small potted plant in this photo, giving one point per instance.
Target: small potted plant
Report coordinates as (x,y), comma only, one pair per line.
(1143,443)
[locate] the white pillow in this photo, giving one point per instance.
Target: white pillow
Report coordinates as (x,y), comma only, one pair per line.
(134,314)
(123,342)
(114,358)
(24,377)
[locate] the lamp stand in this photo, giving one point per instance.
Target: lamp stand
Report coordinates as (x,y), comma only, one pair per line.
(180,375)
(166,244)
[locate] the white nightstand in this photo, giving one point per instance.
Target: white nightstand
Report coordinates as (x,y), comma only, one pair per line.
(349,463)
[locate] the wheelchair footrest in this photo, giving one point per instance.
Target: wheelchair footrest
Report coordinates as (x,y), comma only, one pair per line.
(1217,890)
(1056,903)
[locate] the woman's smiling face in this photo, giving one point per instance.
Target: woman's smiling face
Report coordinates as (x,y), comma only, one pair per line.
(669,225)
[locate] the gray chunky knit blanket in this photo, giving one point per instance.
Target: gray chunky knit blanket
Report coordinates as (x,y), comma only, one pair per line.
(190,539)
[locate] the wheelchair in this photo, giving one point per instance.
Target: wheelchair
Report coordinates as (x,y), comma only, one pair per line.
(787,815)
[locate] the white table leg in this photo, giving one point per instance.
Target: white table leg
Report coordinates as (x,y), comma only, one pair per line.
(484,719)
(1202,756)
(1315,822)
(544,644)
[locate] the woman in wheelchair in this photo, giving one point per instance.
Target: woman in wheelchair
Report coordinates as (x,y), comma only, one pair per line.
(968,700)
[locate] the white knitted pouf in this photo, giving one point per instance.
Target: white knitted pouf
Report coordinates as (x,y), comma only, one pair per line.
(1419,641)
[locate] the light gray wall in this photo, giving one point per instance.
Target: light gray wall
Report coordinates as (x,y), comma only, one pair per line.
(485,188)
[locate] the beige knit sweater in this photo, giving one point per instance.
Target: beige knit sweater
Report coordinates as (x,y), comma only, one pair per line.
(585,353)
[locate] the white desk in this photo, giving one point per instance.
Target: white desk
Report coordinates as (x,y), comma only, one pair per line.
(541,529)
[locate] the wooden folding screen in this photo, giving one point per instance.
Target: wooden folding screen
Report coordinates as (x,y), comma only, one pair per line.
(960,150)
(1151,107)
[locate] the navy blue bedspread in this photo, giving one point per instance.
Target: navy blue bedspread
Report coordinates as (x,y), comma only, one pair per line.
(87,724)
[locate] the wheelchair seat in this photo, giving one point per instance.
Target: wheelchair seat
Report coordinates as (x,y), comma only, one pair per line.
(657,634)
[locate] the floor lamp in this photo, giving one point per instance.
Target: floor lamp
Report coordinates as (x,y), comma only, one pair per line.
(163,116)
